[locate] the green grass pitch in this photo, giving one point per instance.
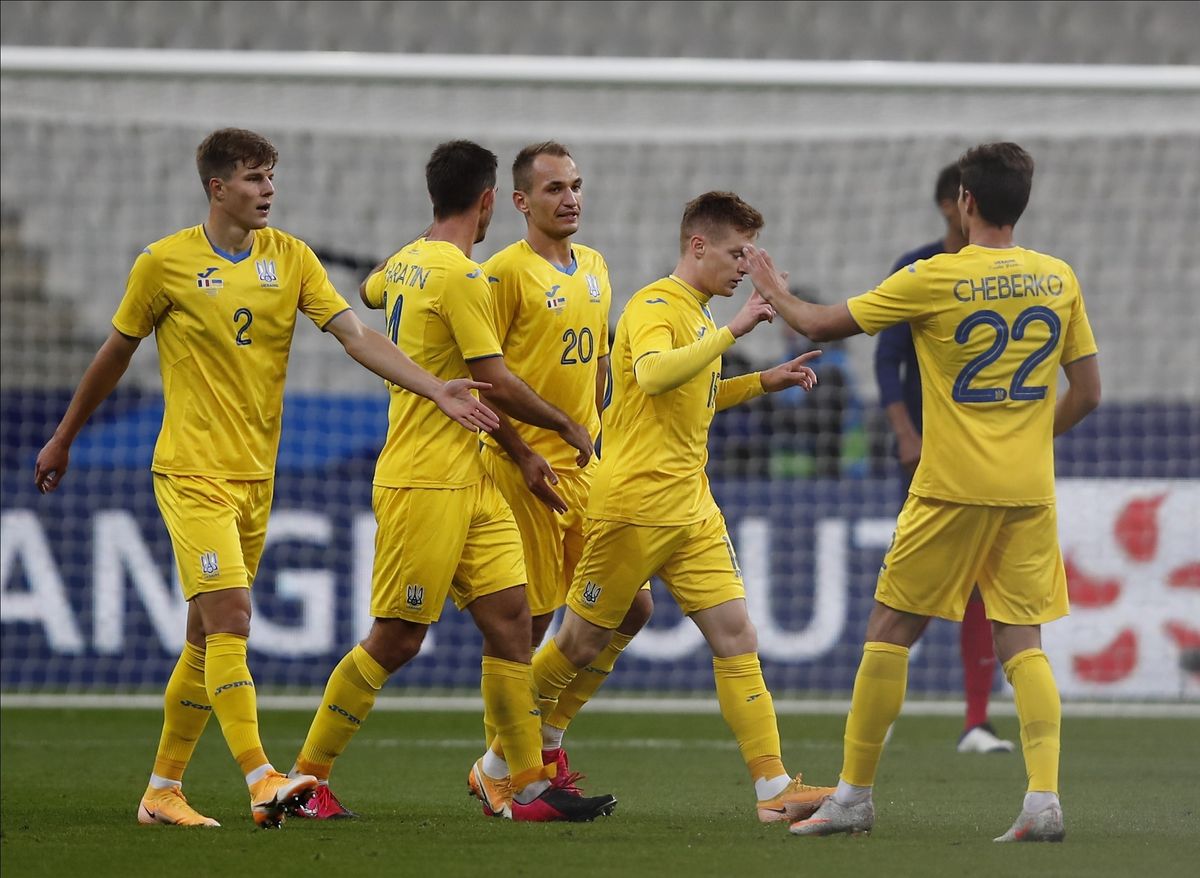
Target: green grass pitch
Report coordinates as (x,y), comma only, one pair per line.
(72,779)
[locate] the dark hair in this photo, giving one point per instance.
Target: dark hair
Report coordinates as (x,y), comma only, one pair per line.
(523,163)
(458,172)
(706,213)
(948,181)
(1000,176)
(221,151)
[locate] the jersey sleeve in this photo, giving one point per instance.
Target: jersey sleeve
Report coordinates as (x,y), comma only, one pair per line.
(467,307)
(902,298)
(145,299)
(658,366)
(604,347)
(375,287)
(505,293)
(1079,341)
(735,391)
(319,301)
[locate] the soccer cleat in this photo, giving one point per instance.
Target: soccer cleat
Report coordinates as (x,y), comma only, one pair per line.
(169,806)
(321,805)
(494,793)
(983,739)
(832,818)
(1045,825)
(564,778)
(276,794)
(797,801)
(558,804)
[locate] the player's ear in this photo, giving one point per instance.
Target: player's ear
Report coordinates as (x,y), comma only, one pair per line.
(520,201)
(488,199)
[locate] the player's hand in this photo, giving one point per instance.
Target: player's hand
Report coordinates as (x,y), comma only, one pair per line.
(577,436)
(455,399)
(51,466)
(908,450)
(539,477)
(753,312)
(793,373)
(768,281)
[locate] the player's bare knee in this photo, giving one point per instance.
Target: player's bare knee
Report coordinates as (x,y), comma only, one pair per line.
(580,641)
(394,642)
(639,614)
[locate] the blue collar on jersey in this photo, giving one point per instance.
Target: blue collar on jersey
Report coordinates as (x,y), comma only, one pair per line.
(235,258)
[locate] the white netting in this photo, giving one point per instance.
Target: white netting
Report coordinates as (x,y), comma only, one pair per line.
(96,166)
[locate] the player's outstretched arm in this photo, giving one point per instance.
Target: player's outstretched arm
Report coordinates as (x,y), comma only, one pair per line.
(817,322)
(97,383)
(793,373)
(517,400)
(1082,396)
(374,351)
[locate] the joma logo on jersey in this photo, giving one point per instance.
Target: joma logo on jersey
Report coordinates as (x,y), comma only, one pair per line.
(205,280)
(700,332)
(593,284)
(591,593)
(415,595)
(554,301)
(266,272)
(208,564)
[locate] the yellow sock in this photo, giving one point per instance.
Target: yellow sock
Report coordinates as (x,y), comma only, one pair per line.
(749,711)
(1040,713)
(349,697)
(231,691)
(552,673)
(186,710)
(878,695)
(508,700)
(586,682)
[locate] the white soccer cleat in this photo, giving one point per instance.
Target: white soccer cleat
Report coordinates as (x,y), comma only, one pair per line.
(832,818)
(1045,825)
(983,739)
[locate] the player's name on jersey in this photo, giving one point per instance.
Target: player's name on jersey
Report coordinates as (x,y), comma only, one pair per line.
(1007,286)
(408,275)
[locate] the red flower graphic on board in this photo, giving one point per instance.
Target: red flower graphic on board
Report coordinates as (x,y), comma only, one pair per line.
(1136,532)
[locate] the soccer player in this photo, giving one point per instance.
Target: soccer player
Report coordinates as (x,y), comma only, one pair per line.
(899,378)
(444,528)
(992,324)
(221,299)
(552,297)
(651,511)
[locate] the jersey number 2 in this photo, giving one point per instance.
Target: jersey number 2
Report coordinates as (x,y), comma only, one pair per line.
(1018,391)
(239,314)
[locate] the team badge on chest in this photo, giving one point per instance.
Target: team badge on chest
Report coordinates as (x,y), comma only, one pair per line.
(266,273)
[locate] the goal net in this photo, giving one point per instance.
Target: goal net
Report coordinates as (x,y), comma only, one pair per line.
(98,160)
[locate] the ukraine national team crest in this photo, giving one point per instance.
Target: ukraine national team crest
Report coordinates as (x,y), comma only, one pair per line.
(208,564)
(206,281)
(554,301)
(415,596)
(591,593)
(266,272)
(593,284)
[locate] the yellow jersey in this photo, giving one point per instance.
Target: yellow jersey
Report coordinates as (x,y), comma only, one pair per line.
(553,328)
(656,445)
(439,311)
(991,328)
(223,323)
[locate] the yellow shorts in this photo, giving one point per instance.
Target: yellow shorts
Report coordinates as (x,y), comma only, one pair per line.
(552,543)
(217,527)
(941,550)
(434,542)
(696,561)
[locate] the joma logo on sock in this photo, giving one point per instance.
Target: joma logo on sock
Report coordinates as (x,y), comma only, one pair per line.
(347,714)
(234,685)
(187,703)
